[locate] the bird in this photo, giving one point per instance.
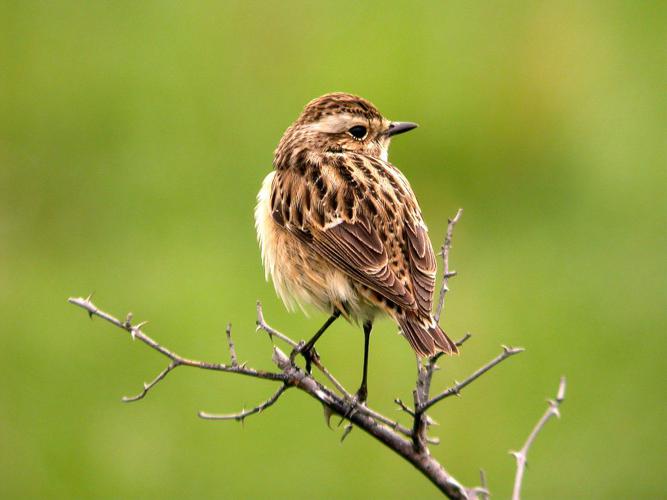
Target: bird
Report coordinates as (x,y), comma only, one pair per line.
(340,228)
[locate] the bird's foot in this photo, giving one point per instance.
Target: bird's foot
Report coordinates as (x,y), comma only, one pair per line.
(359,399)
(309,354)
(361,395)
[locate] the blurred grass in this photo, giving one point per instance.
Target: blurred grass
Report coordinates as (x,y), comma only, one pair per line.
(133,138)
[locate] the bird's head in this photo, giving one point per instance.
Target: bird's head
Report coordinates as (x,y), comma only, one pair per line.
(340,122)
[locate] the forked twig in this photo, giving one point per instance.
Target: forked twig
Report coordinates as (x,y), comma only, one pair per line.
(263,325)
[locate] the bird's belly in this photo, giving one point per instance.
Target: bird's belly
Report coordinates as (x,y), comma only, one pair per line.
(300,276)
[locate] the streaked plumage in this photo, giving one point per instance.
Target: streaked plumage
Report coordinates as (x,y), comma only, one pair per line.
(340,227)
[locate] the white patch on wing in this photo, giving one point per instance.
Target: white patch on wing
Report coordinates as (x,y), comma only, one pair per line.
(336,222)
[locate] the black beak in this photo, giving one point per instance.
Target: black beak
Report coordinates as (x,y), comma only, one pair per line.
(396,128)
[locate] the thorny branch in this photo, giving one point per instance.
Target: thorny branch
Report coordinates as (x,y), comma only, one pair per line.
(412,443)
(240,417)
(444,253)
(456,388)
(230,343)
(522,455)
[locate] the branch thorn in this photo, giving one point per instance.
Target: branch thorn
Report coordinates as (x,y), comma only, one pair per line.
(346,432)
(88,301)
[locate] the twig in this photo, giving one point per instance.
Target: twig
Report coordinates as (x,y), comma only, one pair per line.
(522,455)
(465,338)
(388,422)
(149,386)
(419,423)
(137,333)
(431,366)
(458,387)
(424,377)
(263,325)
(339,387)
(482,481)
(446,273)
(230,342)
(404,407)
(425,371)
(239,417)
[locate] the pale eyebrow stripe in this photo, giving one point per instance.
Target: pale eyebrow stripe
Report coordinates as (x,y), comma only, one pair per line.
(336,123)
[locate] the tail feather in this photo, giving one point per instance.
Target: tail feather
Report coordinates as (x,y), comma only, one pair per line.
(425,336)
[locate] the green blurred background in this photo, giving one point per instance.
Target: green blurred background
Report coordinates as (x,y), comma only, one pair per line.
(133,139)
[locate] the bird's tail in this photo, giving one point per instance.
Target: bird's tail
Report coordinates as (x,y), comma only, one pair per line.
(425,335)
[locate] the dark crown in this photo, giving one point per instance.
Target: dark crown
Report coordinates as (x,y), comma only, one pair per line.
(336,103)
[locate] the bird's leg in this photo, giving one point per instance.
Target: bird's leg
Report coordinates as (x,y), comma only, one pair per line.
(362,393)
(308,350)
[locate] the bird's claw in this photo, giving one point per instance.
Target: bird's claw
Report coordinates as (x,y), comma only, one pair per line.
(361,395)
(310,355)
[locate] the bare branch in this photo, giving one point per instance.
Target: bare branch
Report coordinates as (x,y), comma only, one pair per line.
(263,325)
(522,455)
(404,407)
(137,333)
(425,373)
(149,386)
(458,387)
(383,429)
(410,443)
(239,417)
(419,422)
(317,362)
(446,273)
(431,366)
(392,424)
(465,338)
(339,387)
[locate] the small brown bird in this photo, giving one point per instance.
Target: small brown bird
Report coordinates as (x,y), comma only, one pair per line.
(340,228)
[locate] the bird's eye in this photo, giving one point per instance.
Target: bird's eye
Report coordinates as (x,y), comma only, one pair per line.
(358,131)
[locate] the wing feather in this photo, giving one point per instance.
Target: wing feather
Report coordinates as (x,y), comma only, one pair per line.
(360,253)
(422,266)
(349,236)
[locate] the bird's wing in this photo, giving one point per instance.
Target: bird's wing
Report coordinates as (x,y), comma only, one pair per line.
(360,215)
(422,266)
(417,252)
